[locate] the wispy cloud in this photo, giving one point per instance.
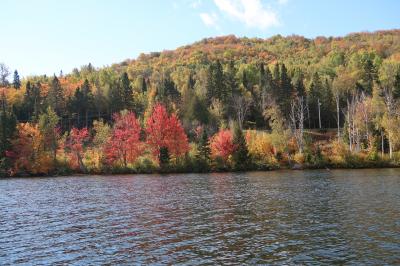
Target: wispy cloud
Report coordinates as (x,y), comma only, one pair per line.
(251,12)
(209,19)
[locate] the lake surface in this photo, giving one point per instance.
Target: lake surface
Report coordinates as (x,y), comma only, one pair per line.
(282,217)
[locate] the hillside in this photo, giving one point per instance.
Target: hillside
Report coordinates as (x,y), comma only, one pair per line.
(350,85)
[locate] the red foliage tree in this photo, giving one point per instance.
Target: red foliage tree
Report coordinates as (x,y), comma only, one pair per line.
(166,131)
(222,144)
(75,145)
(125,145)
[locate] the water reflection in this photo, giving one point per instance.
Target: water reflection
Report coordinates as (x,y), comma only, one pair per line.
(284,217)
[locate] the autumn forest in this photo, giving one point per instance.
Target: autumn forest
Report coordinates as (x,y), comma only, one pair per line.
(220,104)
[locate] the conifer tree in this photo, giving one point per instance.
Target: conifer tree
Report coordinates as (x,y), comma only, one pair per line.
(55,97)
(240,157)
(230,79)
(144,85)
(48,124)
(396,89)
(8,124)
(164,157)
(16,80)
(286,91)
(87,100)
(204,150)
(127,92)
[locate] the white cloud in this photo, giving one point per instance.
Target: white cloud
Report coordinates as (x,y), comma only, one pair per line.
(209,20)
(282,2)
(250,12)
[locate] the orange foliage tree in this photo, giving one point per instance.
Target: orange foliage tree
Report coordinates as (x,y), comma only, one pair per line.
(28,152)
(124,146)
(166,131)
(222,144)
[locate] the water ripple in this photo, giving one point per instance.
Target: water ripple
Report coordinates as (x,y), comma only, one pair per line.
(285,217)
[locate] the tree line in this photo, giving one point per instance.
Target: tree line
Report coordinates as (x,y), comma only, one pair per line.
(348,95)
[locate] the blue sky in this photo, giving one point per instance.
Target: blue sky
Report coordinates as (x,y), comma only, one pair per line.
(46,36)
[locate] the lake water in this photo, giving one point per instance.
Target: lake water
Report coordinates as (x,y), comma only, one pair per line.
(282,217)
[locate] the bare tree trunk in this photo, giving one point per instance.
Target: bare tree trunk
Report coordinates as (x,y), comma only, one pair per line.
(319,113)
(308,114)
(382,143)
(297,111)
(349,126)
(338,116)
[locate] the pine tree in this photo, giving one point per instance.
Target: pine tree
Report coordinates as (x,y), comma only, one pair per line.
(203,149)
(55,97)
(230,79)
(87,101)
(164,157)
(245,80)
(115,97)
(144,85)
(315,99)
(286,90)
(8,125)
(167,91)
(219,83)
(36,100)
(266,86)
(16,80)
(276,75)
(299,89)
(190,82)
(48,122)
(240,157)
(396,88)
(127,92)
(368,77)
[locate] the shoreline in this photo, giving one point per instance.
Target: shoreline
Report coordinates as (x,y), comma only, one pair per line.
(78,174)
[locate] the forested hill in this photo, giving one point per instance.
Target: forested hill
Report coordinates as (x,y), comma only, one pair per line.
(156,105)
(322,54)
(206,82)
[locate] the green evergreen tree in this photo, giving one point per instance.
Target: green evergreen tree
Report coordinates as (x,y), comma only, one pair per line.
(115,97)
(218,81)
(36,101)
(167,91)
(230,79)
(240,157)
(55,97)
(285,91)
(314,98)
(197,110)
(127,92)
(299,88)
(369,75)
(16,80)
(48,123)
(276,75)
(203,148)
(164,157)
(8,125)
(396,89)
(144,85)
(190,82)
(87,101)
